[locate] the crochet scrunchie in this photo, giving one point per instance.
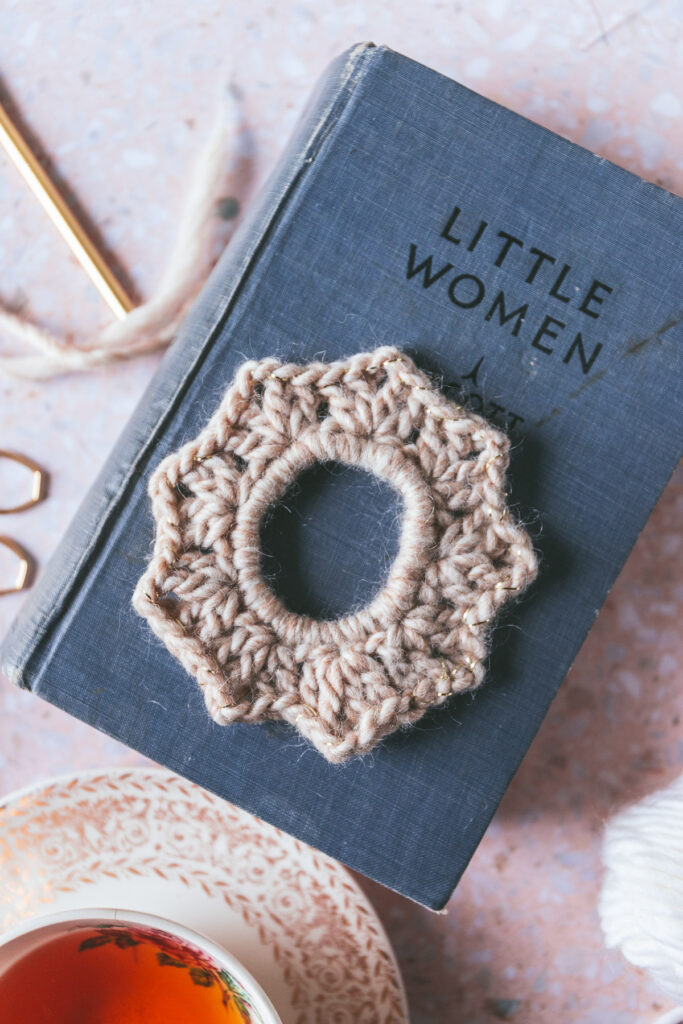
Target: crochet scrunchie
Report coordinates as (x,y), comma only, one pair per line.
(345,683)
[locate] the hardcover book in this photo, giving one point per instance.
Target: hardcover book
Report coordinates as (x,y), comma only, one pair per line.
(541,287)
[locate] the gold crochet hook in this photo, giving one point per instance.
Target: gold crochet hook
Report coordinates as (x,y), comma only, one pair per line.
(62,216)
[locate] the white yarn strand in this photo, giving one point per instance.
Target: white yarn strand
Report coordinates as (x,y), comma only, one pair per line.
(152,325)
(641,903)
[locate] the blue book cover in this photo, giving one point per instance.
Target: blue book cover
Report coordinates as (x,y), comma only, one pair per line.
(542,287)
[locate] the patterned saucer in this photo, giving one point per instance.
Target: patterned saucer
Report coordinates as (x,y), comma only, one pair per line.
(149,841)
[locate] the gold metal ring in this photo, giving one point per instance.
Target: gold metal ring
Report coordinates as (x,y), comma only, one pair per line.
(24,565)
(37,481)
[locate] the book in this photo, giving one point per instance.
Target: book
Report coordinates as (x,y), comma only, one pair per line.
(541,286)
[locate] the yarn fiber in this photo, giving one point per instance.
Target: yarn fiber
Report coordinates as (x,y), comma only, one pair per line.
(153,324)
(346,683)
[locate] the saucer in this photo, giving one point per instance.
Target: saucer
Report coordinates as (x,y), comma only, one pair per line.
(149,841)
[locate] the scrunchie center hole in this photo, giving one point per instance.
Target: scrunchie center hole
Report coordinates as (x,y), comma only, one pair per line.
(328,544)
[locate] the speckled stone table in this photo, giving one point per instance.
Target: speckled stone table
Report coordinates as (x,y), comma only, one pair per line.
(120,96)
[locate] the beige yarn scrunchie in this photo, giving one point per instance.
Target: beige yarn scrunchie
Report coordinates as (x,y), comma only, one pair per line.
(345,683)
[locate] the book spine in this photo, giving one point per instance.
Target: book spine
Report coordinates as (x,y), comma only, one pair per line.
(57,593)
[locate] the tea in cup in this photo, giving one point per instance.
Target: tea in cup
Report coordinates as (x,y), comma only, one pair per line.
(111,966)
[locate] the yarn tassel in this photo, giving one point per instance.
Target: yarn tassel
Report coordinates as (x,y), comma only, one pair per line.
(152,325)
(641,903)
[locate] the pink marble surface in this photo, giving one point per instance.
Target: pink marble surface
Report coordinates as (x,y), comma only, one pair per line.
(120,95)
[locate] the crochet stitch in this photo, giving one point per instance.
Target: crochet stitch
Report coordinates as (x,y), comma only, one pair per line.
(344,683)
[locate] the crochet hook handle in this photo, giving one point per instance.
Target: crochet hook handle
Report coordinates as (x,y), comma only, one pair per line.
(73,233)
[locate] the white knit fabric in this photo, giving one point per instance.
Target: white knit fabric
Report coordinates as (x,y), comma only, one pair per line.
(641,904)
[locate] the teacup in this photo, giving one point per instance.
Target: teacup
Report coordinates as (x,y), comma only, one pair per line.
(111,965)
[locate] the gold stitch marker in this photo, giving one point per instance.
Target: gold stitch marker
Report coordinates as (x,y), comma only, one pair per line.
(37,481)
(24,566)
